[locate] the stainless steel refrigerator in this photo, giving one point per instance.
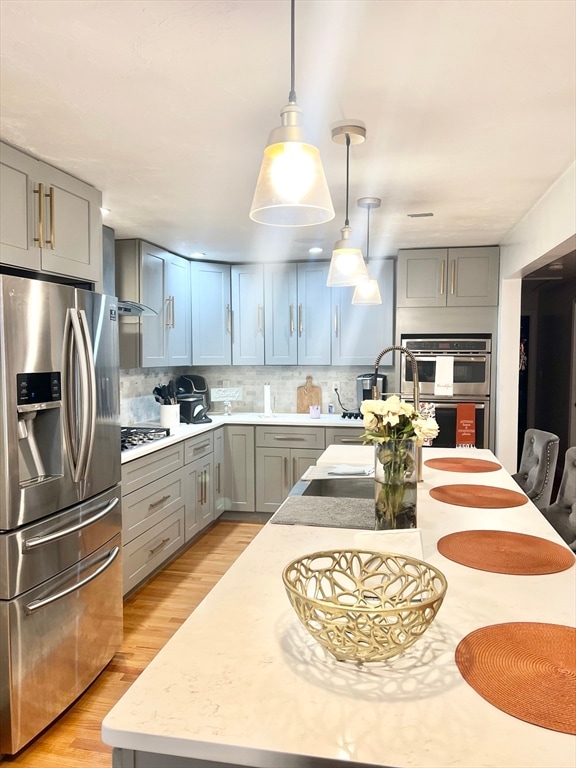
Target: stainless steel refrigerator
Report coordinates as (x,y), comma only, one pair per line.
(60,503)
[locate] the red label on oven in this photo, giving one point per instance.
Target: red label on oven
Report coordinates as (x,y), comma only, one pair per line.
(465,424)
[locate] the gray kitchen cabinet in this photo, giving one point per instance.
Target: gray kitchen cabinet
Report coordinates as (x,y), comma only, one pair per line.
(344,435)
(283,454)
(199,467)
(359,332)
(49,221)
(219,473)
(448,277)
(239,482)
(154,495)
(247,314)
(211,314)
(159,279)
(297,314)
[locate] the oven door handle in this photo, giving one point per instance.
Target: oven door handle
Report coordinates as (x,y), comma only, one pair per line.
(35,605)
(455,404)
(38,541)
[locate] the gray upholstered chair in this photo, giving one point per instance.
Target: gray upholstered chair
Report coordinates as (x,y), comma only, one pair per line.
(537,466)
(562,514)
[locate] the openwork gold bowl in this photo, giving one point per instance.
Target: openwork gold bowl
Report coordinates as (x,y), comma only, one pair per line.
(364,606)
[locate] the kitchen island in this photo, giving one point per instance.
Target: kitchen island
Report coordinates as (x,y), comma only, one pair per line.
(243,684)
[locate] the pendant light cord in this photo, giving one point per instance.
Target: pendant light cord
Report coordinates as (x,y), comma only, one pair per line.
(347,223)
(292,96)
(368,236)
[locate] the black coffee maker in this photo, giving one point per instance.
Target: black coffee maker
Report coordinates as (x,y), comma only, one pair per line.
(365,384)
(192,394)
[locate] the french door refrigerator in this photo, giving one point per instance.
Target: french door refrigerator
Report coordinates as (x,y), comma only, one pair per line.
(60,503)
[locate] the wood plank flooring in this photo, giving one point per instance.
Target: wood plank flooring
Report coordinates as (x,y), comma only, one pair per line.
(151,616)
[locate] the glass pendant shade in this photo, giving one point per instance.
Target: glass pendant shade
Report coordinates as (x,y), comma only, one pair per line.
(367,292)
(347,265)
(291,190)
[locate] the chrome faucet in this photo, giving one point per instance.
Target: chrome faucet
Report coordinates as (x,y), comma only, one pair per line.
(416,384)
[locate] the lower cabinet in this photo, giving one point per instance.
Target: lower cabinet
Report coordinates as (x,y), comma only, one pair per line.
(344,435)
(199,468)
(219,473)
(239,485)
(283,454)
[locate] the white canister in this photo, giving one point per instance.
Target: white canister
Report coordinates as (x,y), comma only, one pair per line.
(314,411)
(170,415)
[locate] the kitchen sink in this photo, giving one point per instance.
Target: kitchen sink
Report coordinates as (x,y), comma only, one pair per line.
(342,487)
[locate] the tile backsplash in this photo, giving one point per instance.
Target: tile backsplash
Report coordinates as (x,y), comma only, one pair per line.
(138,404)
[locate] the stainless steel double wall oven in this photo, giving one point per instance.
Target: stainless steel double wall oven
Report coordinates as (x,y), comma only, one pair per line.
(60,502)
(471,376)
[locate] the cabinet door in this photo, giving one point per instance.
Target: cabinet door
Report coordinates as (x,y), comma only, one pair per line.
(211,314)
(273,478)
(179,311)
(219,473)
(313,315)
(239,462)
(18,217)
(422,277)
(280,314)
(360,332)
(200,501)
(153,292)
(247,314)
(473,277)
(300,460)
(73,226)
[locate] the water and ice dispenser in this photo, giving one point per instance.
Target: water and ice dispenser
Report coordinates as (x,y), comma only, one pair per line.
(39,426)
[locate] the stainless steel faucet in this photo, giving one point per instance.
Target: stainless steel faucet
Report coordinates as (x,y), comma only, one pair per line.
(416,384)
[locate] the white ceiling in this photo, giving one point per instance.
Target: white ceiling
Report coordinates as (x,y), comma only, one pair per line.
(166,107)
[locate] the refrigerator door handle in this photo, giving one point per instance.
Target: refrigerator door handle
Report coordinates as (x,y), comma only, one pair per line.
(68,386)
(90,391)
(38,541)
(35,605)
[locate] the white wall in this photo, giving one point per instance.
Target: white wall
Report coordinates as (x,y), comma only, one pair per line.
(546,232)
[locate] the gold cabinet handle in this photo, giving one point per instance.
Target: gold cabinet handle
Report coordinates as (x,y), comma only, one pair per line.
(50,197)
(285,472)
(200,488)
(453,278)
(293,470)
(291,319)
(442,277)
(350,440)
(201,447)
(336,322)
(228,319)
(40,193)
(259,318)
(218,471)
(300,319)
(159,501)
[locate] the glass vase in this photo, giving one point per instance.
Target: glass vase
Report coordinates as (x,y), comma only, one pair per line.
(396,487)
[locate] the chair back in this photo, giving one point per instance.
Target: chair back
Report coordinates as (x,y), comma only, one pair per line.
(562,514)
(537,466)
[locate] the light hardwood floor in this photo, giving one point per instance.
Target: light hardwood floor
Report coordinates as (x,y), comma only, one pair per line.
(151,616)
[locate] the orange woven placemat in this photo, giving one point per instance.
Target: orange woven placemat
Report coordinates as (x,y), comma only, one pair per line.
(485,496)
(505,552)
(462,464)
(525,669)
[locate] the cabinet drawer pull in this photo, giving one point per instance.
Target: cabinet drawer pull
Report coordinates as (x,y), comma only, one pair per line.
(285,472)
(291,315)
(288,437)
(442,277)
(50,197)
(453,278)
(40,193)
(158,547)
(300,319)
(218,486)
(160,501)
(350,440)
(200,447)
(259,318)
(228,319)
(294,478)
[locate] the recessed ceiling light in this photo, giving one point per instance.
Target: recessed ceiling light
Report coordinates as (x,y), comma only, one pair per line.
(315,250)
(418,215)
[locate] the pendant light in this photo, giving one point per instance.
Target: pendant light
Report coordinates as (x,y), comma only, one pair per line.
(347,263)
(367,291)
(291,190)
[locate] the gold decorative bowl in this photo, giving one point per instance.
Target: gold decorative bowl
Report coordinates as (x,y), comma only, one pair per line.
(364,606)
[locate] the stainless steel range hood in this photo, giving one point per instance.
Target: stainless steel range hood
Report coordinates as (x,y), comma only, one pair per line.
(134,309)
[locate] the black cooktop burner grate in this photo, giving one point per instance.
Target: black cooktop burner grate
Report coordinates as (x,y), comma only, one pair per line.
(130,437)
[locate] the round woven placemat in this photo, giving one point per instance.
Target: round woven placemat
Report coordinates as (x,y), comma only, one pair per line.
(505,552)
(462,464)
(485,496)
(527,670)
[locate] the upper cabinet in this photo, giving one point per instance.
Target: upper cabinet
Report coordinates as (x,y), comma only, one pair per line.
(360,332)
(49,221)
(448,277)
(161,280)
(211,314)
(297,314)
(247,314)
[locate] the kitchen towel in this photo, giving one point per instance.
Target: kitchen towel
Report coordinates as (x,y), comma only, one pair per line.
(444,377)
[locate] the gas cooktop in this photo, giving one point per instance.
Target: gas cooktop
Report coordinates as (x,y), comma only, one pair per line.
(130,437)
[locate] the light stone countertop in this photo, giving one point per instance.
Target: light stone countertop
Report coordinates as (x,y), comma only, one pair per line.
(186,431)
(242,682)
